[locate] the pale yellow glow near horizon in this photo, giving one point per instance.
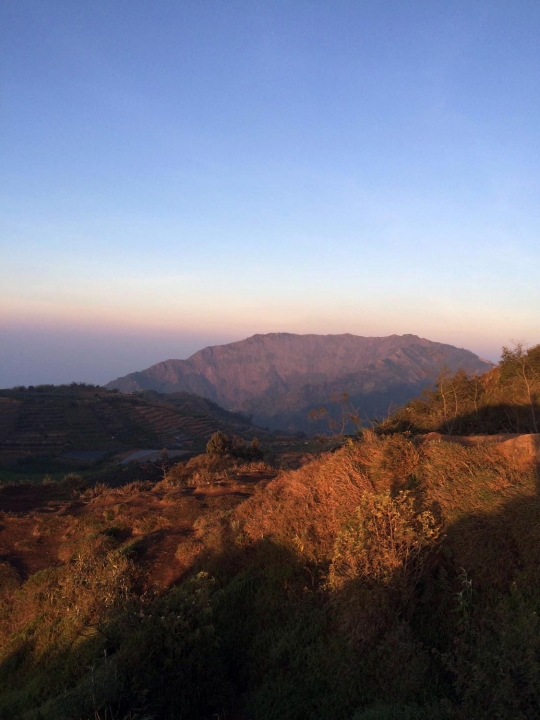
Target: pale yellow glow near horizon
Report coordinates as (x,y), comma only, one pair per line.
(483,332)
(224,305)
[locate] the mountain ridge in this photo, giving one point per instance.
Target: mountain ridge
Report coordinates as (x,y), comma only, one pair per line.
(285,374)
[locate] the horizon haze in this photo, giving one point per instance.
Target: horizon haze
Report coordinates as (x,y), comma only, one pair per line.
(178,175)
(117,351)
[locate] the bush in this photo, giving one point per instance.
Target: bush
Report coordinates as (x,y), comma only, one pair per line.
(222,446)
(385,537)
(219,445)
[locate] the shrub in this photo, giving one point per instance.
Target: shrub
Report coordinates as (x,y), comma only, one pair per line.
(219,445)
(379,557)
(385,538)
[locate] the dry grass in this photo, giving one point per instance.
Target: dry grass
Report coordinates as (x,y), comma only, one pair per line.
(207,470)
(480,478)
(306,509)
(359,551)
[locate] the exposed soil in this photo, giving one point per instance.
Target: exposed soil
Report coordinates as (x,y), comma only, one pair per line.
(39,524)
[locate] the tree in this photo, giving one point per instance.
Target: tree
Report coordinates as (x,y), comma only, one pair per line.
(524,366)
(219,445)
(254,451)
(337,422)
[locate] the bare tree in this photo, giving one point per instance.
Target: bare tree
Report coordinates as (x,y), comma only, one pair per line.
(524,366)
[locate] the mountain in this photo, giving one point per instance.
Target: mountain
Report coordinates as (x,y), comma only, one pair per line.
(278,378)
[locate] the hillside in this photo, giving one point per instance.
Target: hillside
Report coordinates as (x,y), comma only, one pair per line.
(390,580)
(504,400)
(278,378)
(85,423)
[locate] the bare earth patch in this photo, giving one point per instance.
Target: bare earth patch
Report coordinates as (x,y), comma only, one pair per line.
(41,525)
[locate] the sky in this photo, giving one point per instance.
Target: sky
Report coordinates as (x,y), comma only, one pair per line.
(180,174)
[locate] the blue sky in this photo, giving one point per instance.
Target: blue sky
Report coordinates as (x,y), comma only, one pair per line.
(177,174)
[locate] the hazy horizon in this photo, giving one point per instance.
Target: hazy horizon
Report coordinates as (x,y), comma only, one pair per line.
(120,355)
(178,175)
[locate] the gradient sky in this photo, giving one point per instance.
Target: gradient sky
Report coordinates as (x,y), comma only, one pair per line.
(175,174)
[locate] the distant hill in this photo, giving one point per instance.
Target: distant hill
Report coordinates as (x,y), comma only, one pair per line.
(278,378)
(86,422)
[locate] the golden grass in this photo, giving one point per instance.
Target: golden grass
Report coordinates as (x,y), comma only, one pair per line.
(372,525)
(207,470)
(306,509)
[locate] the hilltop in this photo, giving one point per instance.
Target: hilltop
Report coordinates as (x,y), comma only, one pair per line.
(278,378)
(506,399)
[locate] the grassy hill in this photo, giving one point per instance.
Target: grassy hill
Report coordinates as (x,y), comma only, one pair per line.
(503,400)
(53,426)
(390,580)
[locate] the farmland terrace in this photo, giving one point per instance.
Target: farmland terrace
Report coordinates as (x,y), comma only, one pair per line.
(81,422)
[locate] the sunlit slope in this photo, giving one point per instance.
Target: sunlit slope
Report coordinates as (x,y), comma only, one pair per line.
(392,579)
(504,400)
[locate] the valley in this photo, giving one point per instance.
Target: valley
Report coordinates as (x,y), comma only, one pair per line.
(77,427)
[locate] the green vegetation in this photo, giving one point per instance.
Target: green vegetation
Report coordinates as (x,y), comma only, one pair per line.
(221,445)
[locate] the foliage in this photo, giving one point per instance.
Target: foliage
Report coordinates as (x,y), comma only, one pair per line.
(219,445)
(222,446)
(385,581)
(383,540)
(504,400)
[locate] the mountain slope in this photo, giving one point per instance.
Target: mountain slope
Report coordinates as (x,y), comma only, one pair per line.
(504,400)
(388,580)
(279,377)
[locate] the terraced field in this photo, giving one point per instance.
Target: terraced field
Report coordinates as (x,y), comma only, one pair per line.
(59,422)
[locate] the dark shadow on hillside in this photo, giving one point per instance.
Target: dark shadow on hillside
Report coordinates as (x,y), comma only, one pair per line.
(22,498)
(495,557)
(488,420)
(492,419)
